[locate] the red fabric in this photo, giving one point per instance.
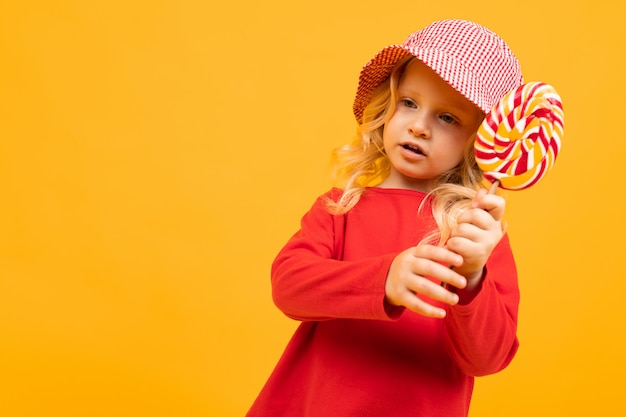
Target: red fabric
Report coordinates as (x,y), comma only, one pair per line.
(353,355)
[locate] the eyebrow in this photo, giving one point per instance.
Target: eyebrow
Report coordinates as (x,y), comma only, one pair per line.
(447,106)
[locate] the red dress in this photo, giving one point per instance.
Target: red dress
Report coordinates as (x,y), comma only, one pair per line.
(355,355)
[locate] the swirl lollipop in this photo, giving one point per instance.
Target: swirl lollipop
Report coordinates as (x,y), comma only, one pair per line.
(520,138)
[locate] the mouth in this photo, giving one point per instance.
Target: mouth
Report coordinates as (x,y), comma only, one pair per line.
(414,149)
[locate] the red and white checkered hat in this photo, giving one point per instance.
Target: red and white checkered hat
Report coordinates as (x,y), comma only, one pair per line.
(469,57)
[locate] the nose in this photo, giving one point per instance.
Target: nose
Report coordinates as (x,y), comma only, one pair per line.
(419,125)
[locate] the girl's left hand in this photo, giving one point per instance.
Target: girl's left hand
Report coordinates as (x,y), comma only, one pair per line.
(478,231)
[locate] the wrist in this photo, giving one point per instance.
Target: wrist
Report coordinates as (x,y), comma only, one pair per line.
(474,284)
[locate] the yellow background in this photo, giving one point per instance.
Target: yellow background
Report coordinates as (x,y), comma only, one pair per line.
(155,155)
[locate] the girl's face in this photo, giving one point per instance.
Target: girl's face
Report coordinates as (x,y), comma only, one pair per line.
(428,130)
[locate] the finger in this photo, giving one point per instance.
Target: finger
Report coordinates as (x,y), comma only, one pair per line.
(421,267)
(493,204)
(436,254)
(449,276)
(471,251)
(462,245)
(425,287)
(475,217)
(416,304)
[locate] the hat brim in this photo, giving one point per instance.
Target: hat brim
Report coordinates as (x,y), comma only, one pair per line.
(376,71)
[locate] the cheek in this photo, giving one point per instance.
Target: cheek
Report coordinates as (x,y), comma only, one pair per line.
(388,133)
(456,151)
(389,127)
(386,142)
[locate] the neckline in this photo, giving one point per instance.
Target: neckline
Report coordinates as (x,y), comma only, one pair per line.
(403,191)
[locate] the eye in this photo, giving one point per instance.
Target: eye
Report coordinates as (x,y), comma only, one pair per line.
(448,118)
(407,102)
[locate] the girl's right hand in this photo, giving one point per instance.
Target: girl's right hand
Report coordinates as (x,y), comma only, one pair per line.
(407,279)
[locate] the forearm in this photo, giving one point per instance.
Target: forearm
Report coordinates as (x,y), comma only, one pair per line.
(480,330)
(481,335)
(306,287)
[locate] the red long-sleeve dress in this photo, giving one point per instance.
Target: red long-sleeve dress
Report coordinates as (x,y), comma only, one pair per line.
(355,355)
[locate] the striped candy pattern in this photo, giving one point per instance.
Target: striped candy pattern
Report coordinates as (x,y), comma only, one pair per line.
(520,138)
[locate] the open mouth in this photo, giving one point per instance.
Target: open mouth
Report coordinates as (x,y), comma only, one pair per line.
(412,148)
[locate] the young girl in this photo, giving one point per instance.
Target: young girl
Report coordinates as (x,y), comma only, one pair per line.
(403,279)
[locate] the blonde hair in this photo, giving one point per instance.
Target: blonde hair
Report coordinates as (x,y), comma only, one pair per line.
(363,163)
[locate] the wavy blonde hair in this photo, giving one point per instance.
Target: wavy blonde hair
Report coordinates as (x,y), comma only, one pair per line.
(363,163)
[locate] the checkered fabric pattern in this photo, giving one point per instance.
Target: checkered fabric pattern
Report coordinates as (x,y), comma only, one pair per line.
(468,56)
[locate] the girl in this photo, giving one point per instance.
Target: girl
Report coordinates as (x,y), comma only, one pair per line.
(403,279)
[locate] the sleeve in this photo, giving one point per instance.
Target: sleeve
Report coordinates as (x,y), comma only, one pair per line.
(481,335)
(311,283)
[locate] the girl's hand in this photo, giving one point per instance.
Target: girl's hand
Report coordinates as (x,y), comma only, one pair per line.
(478,231)
(407,279)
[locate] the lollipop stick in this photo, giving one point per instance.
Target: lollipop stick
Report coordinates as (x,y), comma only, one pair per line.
(494,186)
(492,190)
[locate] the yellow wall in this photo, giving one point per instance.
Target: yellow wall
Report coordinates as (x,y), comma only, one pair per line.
(155,155)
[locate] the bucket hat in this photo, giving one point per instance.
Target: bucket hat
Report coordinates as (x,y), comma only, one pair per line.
(471,58)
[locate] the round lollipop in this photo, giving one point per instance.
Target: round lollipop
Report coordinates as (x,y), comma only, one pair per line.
(520,138)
